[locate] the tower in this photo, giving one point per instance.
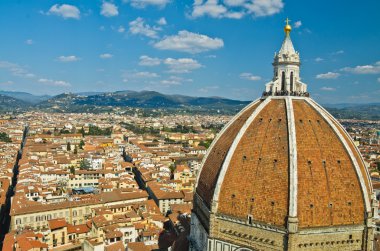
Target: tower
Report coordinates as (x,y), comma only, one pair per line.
(286,69)
(283,174)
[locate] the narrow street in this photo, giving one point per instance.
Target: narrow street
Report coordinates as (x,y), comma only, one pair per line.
(5,218)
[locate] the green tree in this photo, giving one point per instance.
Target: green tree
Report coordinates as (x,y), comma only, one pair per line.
(81,144)
(4,137)
(172,168)
(84,165)
(81,131)
(72,169)
(205,143)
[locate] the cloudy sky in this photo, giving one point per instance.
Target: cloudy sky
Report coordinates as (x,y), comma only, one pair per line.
(193,47)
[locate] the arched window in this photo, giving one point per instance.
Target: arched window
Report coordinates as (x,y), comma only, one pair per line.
(291,81)
(283,81)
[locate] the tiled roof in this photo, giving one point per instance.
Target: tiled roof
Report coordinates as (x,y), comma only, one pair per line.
(332,190)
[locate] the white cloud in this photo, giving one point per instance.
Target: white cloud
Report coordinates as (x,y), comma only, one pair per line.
(378,80)
(236,8)
(109,10)
(206,89)
(138,27)
(338,52)
(215,9)
(186,41)
(127,76)
(162,21)
(144,3)
(318,59)
(210,8)
(182,65)
(297,24)
(105,56)
(261,8)
(121,29)
(174,80)
(29,42)
(19,71)
(249,76)
(145,74)
(7,83)
(328,75)
(102,28)
(330,89)
(65,10)
(364,69)
(16,70)
(148,61)
(54,82)
(234,3)
(67,59)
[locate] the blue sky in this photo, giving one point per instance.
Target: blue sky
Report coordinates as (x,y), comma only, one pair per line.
(194,47)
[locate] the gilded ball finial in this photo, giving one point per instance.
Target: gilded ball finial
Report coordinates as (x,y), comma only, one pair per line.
(287,27)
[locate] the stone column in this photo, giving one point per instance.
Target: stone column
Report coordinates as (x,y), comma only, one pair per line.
(292,233)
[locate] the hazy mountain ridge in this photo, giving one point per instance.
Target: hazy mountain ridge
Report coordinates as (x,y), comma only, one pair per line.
(369,111)
(107,101)
(26,97)
(12,104)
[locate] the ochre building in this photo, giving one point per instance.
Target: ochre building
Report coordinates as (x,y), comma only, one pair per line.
(283,174)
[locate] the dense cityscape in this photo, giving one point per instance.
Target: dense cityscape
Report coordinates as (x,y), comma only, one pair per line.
(164,125)
(107,181)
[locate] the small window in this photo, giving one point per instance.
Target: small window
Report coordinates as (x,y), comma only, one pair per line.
(250,219)
(233,196)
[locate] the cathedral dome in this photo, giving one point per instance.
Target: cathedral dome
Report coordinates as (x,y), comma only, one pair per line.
(286,156)
(283,174)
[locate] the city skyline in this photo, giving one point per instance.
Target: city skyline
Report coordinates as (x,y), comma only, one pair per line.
(199,48)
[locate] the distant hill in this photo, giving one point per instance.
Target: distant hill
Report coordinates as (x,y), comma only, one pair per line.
(151,100)
(12,104)
(355,111)
(26,97)
(144,99)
